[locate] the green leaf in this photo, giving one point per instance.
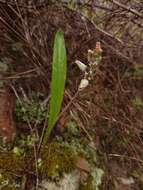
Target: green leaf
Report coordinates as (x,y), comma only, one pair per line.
(59,69)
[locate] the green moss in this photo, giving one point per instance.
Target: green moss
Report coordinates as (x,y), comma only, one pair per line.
(9,161)
(10,171)
(57,159)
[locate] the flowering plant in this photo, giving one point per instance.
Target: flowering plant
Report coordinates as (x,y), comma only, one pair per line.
(94,57)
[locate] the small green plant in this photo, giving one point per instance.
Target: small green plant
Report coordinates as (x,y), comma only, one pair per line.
(72,128)
(31,111)
(24,145)
(95,179)
(97,175)
(59,69)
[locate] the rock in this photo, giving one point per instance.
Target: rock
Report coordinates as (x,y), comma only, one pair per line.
(126,181)
(69,181)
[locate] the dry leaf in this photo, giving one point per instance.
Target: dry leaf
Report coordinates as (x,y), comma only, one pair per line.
(82,164)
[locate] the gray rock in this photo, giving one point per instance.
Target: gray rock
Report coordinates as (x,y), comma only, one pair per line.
(69,181)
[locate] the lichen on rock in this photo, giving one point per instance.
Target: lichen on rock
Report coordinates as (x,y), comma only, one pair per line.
(69,181)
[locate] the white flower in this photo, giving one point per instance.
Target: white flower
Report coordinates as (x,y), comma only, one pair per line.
(83,84)
(81,65)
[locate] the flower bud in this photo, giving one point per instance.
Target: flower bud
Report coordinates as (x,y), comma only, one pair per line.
(98,48)
(81,65)
(83,84)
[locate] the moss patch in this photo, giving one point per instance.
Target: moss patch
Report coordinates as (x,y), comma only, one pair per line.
(11,168)
(57,159)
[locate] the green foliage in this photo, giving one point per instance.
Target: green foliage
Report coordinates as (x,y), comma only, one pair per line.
(72,128)
(97,174)
(94,180)
(24,144)
(59,68)
(73,139)
(31,111)
(18,151)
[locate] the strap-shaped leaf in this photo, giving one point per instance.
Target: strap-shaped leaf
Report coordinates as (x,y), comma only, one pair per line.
(59,69)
